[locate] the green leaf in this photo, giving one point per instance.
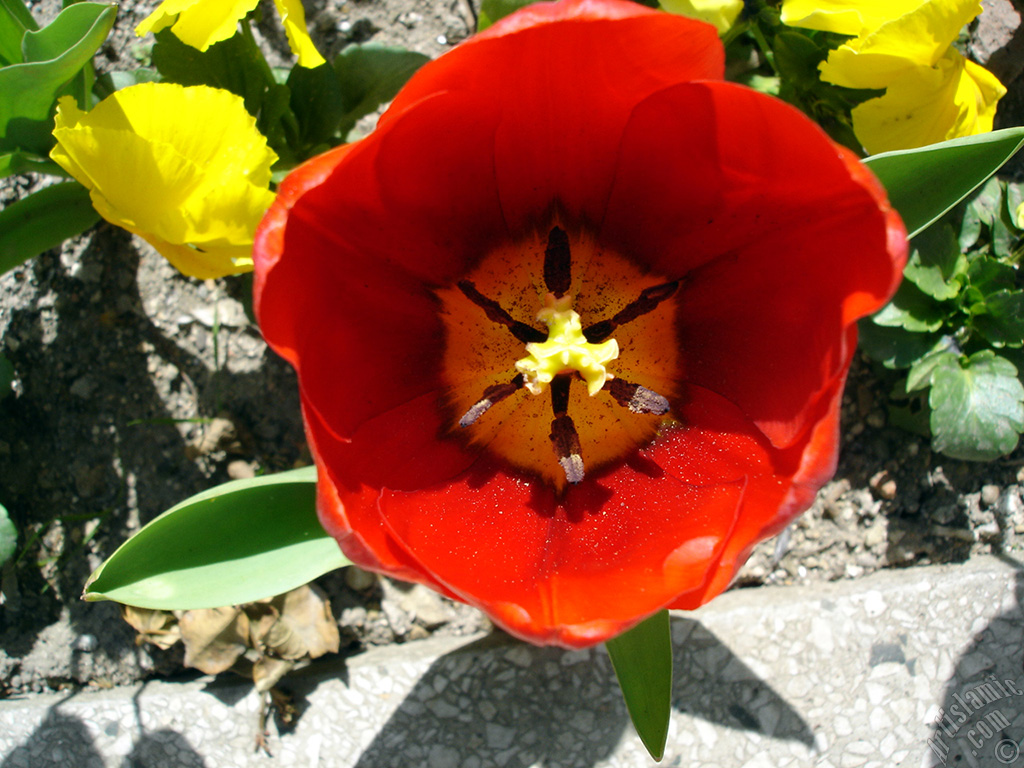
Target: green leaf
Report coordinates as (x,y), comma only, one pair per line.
(1002,322)
(920,374)
(893,347)
(977,406)
(26,162)
(109,82)
(370,75)
(911,309)
(926,182)
(54,56)
(492,10)
(797,58)
(15,21)
(8,536)
(642,658)
(318,104)
(43,220)
(6,377)
(236,543)
(935,262)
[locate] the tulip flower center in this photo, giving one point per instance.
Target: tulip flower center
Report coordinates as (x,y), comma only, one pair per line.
(565,351)
(585,293)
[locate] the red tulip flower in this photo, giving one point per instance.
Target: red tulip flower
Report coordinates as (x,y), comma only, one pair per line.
(572,325)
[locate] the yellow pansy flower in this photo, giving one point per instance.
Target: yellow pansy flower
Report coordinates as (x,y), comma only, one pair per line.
(201,23)
(182,167)
(904,46)
(721,13)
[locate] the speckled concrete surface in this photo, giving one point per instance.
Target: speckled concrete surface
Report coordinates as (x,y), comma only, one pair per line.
(921,667)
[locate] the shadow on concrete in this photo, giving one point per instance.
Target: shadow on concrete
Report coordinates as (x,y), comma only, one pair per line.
(60,741)
(500,702)
(981,720)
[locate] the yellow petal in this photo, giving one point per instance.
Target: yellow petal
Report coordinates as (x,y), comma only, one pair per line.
(929,104)
(977,94)
(184,168)
(721,13)
(294,19)
(209,21)
(920,38)
(165,14)
(846,17)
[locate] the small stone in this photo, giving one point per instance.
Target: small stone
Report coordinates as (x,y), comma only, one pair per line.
(83,387)
(875,419)
(875,535)
(883,485)
(987,531)
(86,643)
(240,470)
(358,579)
(989,494)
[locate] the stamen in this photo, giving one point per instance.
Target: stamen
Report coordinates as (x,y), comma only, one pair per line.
(638,399)
(557,263)
(648,301)
(564,438)
(525,333)
(493,394)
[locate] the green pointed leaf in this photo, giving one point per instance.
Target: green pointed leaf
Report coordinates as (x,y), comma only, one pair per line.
(54,56)
(642,658)
(26,162)
(926,182)
(8,537)
(370,75)
(15,21)
(318,104)
(43,220)
(236,543)
(977,406)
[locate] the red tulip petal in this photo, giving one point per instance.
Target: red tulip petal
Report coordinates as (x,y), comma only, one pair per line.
(558,143)
(619,546)
(780,245)
(352,473)
(754,525)
(366,335)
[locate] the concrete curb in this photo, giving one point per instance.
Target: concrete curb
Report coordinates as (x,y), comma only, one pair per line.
(919,667)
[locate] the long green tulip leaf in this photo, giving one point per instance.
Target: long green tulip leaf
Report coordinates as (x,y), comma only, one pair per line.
(239,542)
(642,658)
(43,220)
(926,182)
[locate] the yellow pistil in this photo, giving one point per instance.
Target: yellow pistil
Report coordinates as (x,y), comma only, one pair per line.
(566,350)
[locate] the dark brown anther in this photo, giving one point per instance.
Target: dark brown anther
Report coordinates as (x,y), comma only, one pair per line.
(493,394)
(525,333)
(638,399)
(648,301)
(567,448)
(557,263)
(564,438)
